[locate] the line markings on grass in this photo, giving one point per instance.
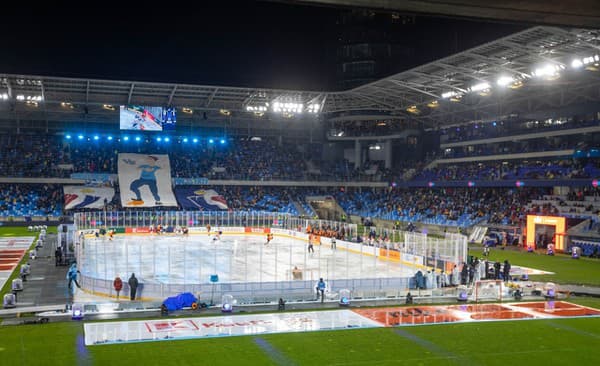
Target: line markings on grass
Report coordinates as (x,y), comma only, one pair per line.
(430,346)
(274,354)
(572,329)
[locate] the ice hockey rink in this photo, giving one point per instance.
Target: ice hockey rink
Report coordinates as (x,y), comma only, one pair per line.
(193,259)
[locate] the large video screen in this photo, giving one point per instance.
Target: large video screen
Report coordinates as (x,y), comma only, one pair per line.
(143,118)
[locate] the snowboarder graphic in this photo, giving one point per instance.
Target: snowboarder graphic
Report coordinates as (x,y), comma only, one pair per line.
(147,178)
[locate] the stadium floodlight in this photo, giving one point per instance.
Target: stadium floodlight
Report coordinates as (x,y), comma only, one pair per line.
(185,139)
(187,110)
(159,139)
(433,104)
(505,80)
(222,141)
(449,94)
(413,109)
(80,137)
(480,87)
(4,96)
(225,112)
(167,139)
(109,107)
(577,63)
(547,70)
(68,137)
(195,141)
(211,141)
(137,138)
(20,97)
(125,138)
(314,108)
(109,138)
(96,137)
(66,105)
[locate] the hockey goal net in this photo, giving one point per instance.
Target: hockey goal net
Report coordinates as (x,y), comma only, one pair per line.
(488,290)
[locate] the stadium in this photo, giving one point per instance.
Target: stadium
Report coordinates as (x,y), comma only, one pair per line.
(447,212)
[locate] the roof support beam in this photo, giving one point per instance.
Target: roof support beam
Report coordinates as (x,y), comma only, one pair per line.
(130,93)
(171,95)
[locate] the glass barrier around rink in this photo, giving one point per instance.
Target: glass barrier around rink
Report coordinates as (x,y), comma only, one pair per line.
(246,265)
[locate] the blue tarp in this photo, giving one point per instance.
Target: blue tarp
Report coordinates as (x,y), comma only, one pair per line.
(185,299)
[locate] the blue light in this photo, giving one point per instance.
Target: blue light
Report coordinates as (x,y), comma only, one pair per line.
(494,124)
(195,140)
(159,139)
(68,137)
(137,138)
(109,138)
(185,139)
(211,141)
(167,139)
(222,141)
(125,138)
(96,137)
(80,137)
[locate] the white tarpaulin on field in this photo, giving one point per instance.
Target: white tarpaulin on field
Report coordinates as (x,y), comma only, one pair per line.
(87,197)
(145,180)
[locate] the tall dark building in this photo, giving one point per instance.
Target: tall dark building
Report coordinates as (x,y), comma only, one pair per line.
(371,46)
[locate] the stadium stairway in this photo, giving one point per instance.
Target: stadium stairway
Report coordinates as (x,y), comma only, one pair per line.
(299,208)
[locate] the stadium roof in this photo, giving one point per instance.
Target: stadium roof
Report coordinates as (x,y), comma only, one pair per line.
(455,89)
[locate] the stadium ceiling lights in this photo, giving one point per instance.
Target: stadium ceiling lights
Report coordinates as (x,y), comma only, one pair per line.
(548,71)
(29,98)
(433,104)
(413,109)
(578,63)
(450,94)
(187,110)
(4,96)
(109,107)
(288,107)
(313,108)
(225,112)
(67,105)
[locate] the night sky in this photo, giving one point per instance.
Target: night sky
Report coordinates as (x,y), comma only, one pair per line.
(255,44)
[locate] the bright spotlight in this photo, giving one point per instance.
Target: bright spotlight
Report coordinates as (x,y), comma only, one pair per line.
(449,94)
(504,80)
(480,87)
(125,138)
(159,139)
(576,64)
(185,139)
(109,138)
(167,139)
(195,141)
(137,138)
(80,137)
(222,141)
(548,70)
(96,137)
(68,137)
(211,141)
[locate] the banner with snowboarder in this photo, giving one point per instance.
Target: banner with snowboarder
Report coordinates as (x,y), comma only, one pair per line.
(145,180)
(77,197)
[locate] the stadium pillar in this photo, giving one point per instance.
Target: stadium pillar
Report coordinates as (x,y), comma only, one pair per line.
(357,154)
(388,154)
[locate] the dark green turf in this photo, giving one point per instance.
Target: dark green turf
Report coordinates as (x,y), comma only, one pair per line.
(583,271)
(573,341)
